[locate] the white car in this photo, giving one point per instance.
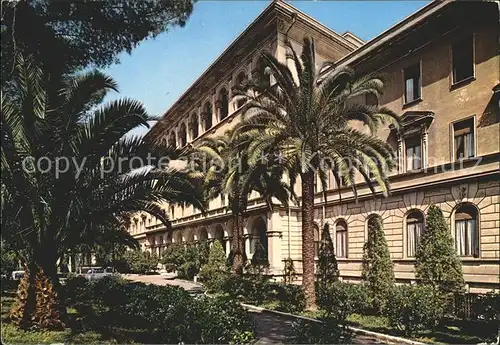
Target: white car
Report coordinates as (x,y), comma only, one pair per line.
(17,275)
(96,273)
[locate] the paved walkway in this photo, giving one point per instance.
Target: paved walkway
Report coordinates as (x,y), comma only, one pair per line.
(271,328)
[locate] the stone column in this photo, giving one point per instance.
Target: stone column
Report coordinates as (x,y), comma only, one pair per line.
(248,243)
(188,129)
(176,134)
(218,110)
(214,110)
(425,136)
(401,163)
(200,120)
(274,251)
(227,243)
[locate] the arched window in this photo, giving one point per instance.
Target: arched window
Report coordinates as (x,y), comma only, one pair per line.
(182,135)
(414,229)
(190,237)
(317,240)
(341,237)
(262,73)
(194,126)
(223,104)
(203,235)
(207,116)
(259,235)
(240,80)
(172,142)
(178,237)
(466,231)
(219,236)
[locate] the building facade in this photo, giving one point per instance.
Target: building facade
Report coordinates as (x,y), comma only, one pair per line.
(441,67)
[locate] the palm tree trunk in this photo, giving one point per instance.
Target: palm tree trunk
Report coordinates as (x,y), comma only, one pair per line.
(38,304)
(237,244)
(308,277)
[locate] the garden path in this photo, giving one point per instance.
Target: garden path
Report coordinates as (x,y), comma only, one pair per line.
(271,328)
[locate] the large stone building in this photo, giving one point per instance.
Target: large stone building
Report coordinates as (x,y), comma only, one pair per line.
(441,67)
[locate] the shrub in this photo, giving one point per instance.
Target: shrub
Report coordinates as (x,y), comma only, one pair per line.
(339,300)
(289,272)
(173,257)
(251,288)
(214,274)
(259,264)
(328,270)
(436,260)
(327,332)
(141,262)
(163,311)
(165,314)
(223,321)
(415,308)
(487,308)
(78,294)
(186,260)
(377,272)
(291,298)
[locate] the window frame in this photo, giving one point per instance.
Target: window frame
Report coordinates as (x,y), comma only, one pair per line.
(416,138)
(415,220)
(453,157)
(417,66)
(476,250)
(317,242)
(453,82)
(346,239)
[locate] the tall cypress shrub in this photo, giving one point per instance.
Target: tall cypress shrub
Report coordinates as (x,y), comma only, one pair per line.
(378,272)
(215,272)
(328,269)
(436,260)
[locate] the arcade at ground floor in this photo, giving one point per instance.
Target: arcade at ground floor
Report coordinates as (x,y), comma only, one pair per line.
(471,210)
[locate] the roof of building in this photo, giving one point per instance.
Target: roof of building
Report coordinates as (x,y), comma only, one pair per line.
(359,48)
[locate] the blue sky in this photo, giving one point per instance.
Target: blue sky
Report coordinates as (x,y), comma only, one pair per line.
(158,71)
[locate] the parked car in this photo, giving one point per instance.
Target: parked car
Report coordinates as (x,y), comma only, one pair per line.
(17,275)
(96,273)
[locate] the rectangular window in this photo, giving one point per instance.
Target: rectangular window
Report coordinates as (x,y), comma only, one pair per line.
(412,83)
(341,247)
(463,138)
(414,232)
(463,59)
(465,237)
(413,153)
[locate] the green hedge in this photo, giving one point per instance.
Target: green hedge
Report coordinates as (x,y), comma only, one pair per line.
(414,308)
(167,314)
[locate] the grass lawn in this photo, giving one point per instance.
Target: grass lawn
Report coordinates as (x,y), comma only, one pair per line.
(74,334)
(12,335)
(449,332)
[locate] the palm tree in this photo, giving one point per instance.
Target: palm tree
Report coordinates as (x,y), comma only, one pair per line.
(306,116)
(48,209)
(230,174)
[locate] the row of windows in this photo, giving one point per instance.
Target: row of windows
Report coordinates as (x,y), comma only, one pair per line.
(466,233)
(222,108)
(413,154)
(462,57)
(463,145)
